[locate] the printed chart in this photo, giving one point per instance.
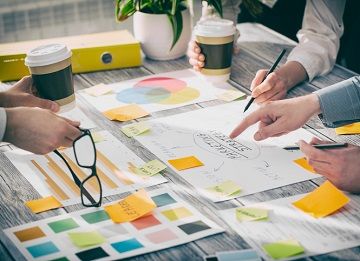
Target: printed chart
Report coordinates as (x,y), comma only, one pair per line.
(251,166)
(285,222)
(158,92)
(115,168)
(172,223)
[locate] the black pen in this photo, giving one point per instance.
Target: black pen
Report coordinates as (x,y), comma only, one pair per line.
(273,67)
(326,146)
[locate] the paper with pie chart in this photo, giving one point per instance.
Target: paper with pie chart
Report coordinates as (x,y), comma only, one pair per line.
(159,92)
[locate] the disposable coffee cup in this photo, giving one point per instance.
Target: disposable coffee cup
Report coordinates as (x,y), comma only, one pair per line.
(50,68)
(215,37)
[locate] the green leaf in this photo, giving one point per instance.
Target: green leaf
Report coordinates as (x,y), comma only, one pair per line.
(177,26)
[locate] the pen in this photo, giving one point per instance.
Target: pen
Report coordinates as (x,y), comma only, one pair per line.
(320,146)
(270,71)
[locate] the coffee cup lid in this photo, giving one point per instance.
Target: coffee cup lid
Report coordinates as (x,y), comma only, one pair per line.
(215,27)
(47,54)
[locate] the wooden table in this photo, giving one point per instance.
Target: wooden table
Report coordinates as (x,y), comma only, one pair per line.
(15,189)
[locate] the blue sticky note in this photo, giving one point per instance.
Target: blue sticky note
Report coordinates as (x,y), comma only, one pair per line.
(43,249)
(163,200)
(127,245)
(238,255)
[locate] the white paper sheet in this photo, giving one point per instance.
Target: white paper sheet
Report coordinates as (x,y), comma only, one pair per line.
(77,115)
(112,149)
(115,233)
(159,92)
(254,166)
(318,236)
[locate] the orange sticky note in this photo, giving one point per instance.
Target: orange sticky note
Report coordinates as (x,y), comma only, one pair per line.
(302,162)
(130,208)
(43,204)
(323,201)
(185,163)
(353,128)
(126,113)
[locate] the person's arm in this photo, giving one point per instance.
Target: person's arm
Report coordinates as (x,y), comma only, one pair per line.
(2,123)
(340,103)
(319,37)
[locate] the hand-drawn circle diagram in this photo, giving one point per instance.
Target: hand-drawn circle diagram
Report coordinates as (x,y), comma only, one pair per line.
(159,90)
(221,145)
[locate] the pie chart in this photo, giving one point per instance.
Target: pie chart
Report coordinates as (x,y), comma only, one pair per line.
(159,90)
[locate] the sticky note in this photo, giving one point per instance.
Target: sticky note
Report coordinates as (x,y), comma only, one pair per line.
(251,214)
(225,189)
(185,163)
(43,249)
(136,129)
(62,225)
(302,162)
(132,207)
(98,90)
(238,255)
(177,213)
(283,249)
(230,95)
(97,137)
(43,204)
(29,234)
(323,201)
(84,239)
(126,113)
(151,168)
(353,128)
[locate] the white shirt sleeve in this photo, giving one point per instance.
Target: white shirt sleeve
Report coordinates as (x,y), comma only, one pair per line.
(319,37)
(2,123)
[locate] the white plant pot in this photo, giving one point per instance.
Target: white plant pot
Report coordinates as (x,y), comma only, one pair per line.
(155,34)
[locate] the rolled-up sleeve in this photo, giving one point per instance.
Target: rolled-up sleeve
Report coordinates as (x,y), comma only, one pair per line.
(2,123)
(319,37)
(340,103)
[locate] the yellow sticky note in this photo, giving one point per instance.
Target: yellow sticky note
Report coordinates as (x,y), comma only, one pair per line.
(251,214)
(126,113)
(132,207)
(97,137)
(224,189)
(185,163)
(283,249)
(177,213)
(43,204)
(302,162)
(230,95)
(98,90)
(353,128)
(85,239)
(136,129)
(151,168)
(323,201)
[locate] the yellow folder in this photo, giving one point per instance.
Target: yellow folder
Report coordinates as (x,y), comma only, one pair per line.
(91,52)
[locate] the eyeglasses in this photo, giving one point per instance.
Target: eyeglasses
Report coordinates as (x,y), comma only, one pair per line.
(85,155)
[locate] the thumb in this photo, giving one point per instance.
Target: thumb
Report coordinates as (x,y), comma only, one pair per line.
(258,79)
(34,101)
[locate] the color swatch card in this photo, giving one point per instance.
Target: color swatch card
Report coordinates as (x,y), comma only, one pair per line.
(289,233)
(158,92)
(116,168)
(91,234)
(196,145)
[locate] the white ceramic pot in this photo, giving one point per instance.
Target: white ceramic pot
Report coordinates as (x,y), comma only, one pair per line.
(155,34)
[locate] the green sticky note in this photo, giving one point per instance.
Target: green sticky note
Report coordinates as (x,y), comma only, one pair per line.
(151,168)
(95,217)
(251,214)
(283,249)
(63,225)
(85,239)
(225,189)
(135,129)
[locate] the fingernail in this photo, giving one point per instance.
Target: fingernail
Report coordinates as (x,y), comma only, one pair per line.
(257,136)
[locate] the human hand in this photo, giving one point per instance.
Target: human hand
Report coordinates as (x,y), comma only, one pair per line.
(24,94)
(340,166)
(279,117)
(38,130)
(277,83)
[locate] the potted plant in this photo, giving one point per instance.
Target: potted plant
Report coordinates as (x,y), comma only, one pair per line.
(162,26)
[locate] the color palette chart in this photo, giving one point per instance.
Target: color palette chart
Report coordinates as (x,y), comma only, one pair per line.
(91,235)
(289,233)
(158,92)
(116,166)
